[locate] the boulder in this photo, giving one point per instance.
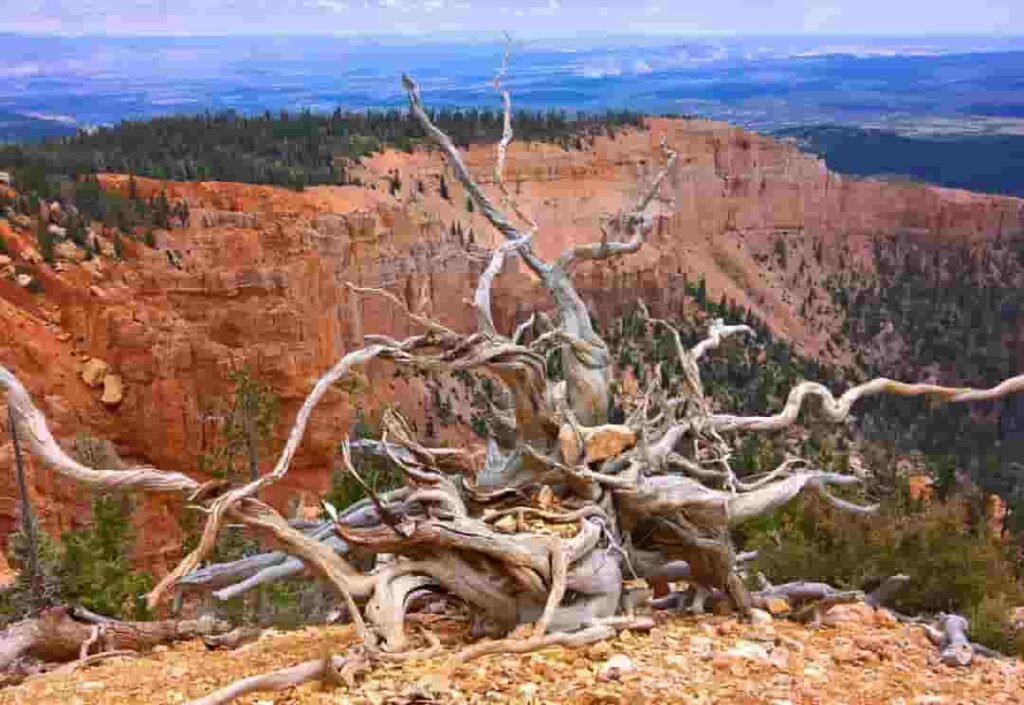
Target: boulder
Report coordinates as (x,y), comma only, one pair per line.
(94,370)
(113,390)
(607,441)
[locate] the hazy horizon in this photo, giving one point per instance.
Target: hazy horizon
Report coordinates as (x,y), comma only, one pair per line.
(524,19)
(490,37)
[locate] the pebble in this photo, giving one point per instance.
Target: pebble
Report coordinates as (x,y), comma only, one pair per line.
(760,616)
(615,668)
(701,645)
(748,650)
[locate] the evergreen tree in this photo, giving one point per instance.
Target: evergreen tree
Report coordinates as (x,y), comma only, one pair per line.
(36,585)
(248,426)
(702,292)
(96,567)
(44,239)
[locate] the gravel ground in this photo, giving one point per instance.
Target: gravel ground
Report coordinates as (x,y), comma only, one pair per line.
(859,659)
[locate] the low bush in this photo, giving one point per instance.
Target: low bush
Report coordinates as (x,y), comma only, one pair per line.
(954,562)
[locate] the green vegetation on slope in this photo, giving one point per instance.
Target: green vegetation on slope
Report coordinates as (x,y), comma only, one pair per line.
(955,313)
(293,150)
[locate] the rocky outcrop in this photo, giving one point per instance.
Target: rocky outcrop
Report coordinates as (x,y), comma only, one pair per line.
(258,280)
(113,390)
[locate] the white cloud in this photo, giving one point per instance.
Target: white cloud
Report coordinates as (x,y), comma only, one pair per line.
(333,5)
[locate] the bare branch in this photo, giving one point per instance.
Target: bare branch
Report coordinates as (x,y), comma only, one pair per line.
(386,515)
(482,298)
(559,569)
(837,410)
(522,328)
(225,503)
(428,323)
(633,221)
(763,500)
(285,678)
(506,139)
(716,334)
(137,479)
(590,635)
(494,216)
(687,359)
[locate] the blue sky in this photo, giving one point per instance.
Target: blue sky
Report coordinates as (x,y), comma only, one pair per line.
(526,18)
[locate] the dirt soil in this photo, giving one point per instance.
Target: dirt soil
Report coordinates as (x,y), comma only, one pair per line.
(857,661)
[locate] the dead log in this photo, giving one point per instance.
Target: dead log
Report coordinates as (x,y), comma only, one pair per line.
(320,669)
(56,637)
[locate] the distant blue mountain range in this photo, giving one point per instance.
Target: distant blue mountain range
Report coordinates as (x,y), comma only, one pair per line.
(917,89)
(764,83)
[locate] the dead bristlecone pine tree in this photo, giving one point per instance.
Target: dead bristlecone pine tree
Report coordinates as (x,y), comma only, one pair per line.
(652,496)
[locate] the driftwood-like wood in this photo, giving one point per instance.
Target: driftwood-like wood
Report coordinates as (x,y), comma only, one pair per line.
(324,669)
(57,637)
(543,523)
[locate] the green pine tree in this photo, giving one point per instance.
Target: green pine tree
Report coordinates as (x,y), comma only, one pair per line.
(96,568)
(44,238)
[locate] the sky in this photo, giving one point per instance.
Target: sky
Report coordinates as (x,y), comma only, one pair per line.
(486,19)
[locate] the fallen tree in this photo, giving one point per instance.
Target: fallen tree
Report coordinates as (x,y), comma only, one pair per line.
(544,525)
(60,635)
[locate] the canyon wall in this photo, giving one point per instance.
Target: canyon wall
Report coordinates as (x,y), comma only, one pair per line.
(258,279)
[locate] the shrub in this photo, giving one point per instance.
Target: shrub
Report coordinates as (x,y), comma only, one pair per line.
(22,599)
(955,565)
(95,565)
